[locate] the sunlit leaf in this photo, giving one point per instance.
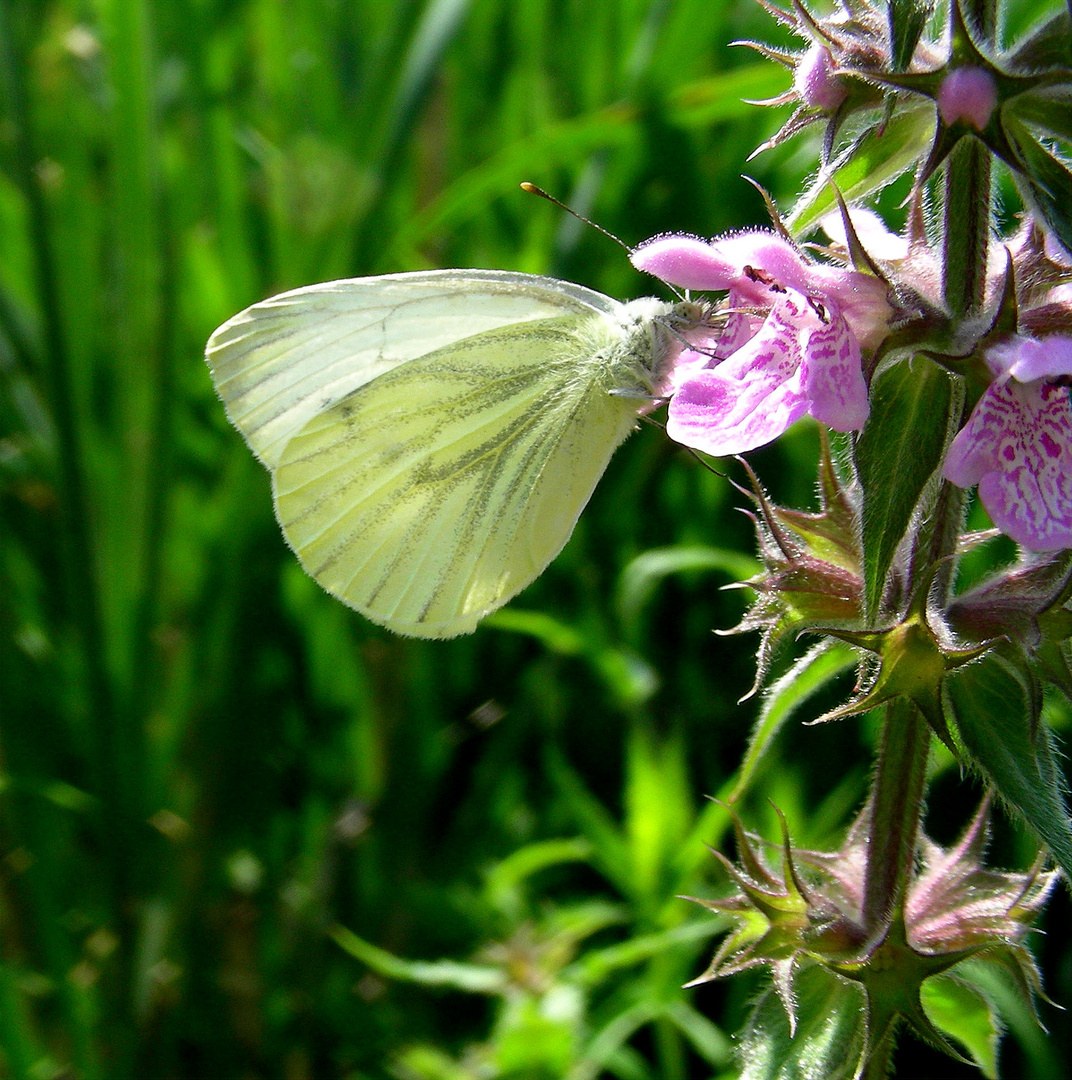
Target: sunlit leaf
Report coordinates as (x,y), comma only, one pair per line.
(877,158)
(1044,179)
(962,1012)
(897,453)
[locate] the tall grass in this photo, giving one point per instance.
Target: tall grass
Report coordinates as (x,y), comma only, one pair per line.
(234,814)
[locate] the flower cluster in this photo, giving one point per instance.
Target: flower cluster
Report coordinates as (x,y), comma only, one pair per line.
(791,344)
(794,341)
(945,355)
(869,73)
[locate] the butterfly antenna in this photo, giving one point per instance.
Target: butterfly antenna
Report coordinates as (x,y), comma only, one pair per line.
(532,189)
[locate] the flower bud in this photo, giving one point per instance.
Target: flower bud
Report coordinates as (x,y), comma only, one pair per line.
(815,81)
(968,95)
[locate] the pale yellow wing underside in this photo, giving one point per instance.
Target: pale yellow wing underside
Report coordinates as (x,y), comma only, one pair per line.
(280,362)
(430,496)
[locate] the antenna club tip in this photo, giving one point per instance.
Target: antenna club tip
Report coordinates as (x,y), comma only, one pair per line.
(532,189)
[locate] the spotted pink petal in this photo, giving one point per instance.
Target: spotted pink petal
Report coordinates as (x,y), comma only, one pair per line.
(833,377)
(747,400)
(861,298)
(1017,446)
(741,327)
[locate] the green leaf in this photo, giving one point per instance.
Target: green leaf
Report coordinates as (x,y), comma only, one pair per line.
(472,978)
(658,809)
(1045,180)
(708,1040)
(18,1041)
(900,448)
(830,1034)
(595,966)
(907,18)
(1048,109)
(555,635)
(1000,977)
(538,1037)
(994,714)
(423,1062)
(503,883)
(876,159)
(610,1039)
(807,676)
(962,1012)
(610,851)
(1047,47)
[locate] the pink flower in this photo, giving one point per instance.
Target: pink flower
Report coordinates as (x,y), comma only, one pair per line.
(791,344)
(1017,444)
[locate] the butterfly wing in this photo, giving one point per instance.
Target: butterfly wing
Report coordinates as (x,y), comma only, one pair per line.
(433,494)
(281,362)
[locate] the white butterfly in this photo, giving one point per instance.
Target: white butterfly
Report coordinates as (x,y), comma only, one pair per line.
(433,437)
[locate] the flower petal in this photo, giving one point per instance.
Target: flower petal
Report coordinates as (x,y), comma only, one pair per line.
(748,262)
(745,402)
(833,377)
(1018,447)
(870,230)
(1041,358)
(974,449)
(757,266)
(686,261)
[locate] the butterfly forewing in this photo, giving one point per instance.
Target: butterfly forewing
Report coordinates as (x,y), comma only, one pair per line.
(431,495)
(279,363)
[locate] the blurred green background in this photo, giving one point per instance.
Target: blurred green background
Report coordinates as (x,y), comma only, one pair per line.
(244,832)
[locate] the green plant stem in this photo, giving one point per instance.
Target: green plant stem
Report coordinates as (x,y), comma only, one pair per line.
(967,226)
(939,539)
(968,194)
(896,809)
(899,781)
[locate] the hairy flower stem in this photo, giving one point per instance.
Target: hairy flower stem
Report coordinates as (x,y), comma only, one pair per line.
(897,801)
(967,226)
(899,783)
(896,809)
